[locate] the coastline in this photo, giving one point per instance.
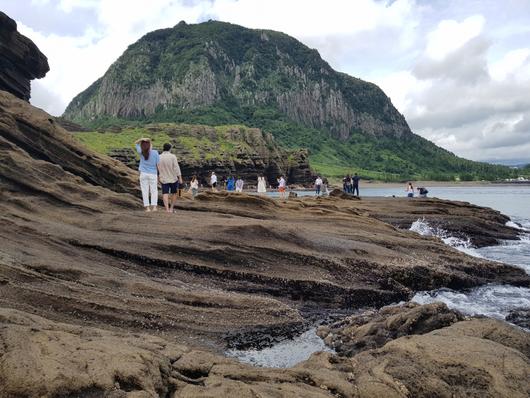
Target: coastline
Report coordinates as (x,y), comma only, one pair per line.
(102,299)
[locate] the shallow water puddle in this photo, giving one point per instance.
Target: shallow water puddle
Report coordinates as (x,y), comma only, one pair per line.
(283,354)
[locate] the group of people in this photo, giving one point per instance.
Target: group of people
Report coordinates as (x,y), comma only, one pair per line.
(350,184)
(231,183)
(422,191)
(164,168)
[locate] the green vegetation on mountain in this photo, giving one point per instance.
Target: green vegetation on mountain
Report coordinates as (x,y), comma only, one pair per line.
(217,73)
(227,149)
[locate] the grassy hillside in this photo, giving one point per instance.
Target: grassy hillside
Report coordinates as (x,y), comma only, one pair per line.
(381,158)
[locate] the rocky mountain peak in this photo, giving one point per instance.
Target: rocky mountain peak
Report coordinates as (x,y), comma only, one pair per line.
(222,65)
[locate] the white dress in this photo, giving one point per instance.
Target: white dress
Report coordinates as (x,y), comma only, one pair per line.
(261,185)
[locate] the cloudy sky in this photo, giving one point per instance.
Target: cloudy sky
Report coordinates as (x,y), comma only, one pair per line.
(459,70)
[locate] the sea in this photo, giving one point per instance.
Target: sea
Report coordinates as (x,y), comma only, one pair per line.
(494,300)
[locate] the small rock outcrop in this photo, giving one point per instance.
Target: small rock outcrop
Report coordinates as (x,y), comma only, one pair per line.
(520,317)
(20,60)
(375,328)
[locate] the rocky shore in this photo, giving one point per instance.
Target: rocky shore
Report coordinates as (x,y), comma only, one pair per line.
(102,290)
(99,299)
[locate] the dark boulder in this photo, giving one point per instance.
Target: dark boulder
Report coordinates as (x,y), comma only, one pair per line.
(20,60)
(520,317)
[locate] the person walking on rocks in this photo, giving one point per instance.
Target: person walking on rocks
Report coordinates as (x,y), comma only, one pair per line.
(170,177)
(213,182)
(149,159)
(239,184)
(194,186)
(355,184)
(281,187)
(346,183)
(230,184)
(318,185)
(410,190)
(262,186)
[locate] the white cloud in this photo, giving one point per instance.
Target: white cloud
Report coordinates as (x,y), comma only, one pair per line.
(512,65)
(450,35)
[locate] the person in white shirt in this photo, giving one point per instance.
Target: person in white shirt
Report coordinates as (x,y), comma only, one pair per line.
(239,184)
(213,182)
(410,190)
(281,187)
(318,185)
(262,186)
(194,186)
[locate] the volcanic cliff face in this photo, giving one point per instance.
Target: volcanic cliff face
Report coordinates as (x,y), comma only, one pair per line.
(220,64)
(20,60)
(227,150)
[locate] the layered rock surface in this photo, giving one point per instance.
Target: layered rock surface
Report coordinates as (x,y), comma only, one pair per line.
(20,60)
(226,263)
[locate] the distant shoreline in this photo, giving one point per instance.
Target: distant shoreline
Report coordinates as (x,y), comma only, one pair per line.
(381,184)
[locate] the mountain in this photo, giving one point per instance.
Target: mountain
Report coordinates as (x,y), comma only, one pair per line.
(217,73)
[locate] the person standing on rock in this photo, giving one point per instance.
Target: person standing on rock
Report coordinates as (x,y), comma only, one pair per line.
(346,182)
(355,184)
(149,159)
(239,184)
(262,186)
(194,186)
(170,177)
(230,184)
(318,185)
(281,187)
(410,190)
(213,182)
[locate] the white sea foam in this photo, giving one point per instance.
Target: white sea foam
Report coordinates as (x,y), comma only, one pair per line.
(494,301)
(423,228)
(284,354)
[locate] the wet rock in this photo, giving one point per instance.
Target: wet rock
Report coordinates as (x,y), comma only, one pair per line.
(374,328)
(520,317)
(337,193)
(20,60)
(482,225)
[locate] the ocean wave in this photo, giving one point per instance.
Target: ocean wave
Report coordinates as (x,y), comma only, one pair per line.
(422,227)
(494,301)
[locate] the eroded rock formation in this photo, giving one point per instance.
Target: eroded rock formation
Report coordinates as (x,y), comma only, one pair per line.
(20,60)
(375,328)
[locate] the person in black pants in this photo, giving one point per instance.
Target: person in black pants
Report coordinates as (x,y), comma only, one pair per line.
(355,184)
